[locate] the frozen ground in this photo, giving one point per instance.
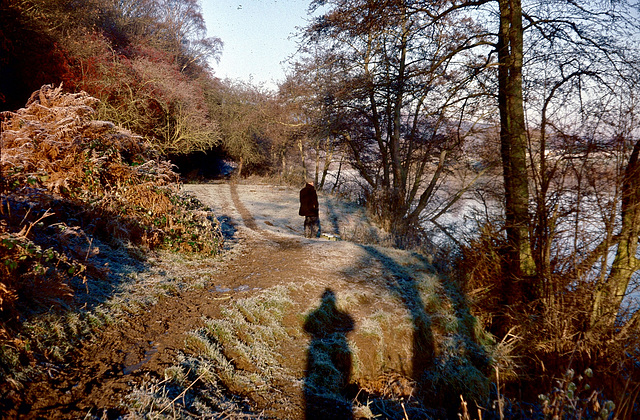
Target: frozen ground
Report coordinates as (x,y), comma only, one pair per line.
(275,209)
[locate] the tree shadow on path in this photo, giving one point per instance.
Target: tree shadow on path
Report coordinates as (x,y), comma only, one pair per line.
(328,361)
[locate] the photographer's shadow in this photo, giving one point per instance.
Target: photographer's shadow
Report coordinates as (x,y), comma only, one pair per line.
(328,361)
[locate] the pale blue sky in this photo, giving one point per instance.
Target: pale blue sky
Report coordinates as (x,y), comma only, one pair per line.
(257,36)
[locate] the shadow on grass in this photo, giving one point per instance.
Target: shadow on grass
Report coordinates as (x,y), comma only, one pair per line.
(404,285)
(332,215)
(456,363)
(328,361)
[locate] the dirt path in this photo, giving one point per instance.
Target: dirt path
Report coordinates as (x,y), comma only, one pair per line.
(148,342)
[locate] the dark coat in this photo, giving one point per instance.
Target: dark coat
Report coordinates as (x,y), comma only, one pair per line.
(308,201)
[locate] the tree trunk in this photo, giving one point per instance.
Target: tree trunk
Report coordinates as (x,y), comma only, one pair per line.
(328,159)
(284,164)
(608,296)
(317,164)
(240,167)
(519,260)
(302,158)
(398,193)
(337,181)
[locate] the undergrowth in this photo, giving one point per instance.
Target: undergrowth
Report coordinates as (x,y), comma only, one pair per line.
(548,341)
(73,189)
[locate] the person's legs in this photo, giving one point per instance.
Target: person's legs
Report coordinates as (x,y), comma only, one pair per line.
(311,227)
(315,227)
(307,227)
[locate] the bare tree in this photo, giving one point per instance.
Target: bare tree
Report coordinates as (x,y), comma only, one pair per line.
(561,68)
(399,99)
(250,123)
(308,94)
(581,79)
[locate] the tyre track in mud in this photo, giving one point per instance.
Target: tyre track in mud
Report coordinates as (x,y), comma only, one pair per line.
(247,218)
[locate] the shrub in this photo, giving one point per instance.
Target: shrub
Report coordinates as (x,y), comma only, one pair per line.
(70,182)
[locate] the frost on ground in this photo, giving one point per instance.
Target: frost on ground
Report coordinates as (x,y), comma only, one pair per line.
(279,325)
(274,208)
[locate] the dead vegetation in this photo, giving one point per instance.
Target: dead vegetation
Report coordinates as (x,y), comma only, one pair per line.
(71,185)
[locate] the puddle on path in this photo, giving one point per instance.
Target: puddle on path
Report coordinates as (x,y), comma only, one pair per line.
(147,356)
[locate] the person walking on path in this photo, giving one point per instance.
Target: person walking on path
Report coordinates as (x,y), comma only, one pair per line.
(309,208)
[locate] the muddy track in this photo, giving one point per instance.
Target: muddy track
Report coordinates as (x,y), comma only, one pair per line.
(247,218)
(264,247)
(147,343)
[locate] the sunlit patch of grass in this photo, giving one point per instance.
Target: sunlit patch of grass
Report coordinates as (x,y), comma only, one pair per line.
(192,388)
(427,286)
(195,343)
(352,300)
(170,289)
(370,326)
(94,321)
(237,352)
(176,374)
(356,364)
(390,342)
